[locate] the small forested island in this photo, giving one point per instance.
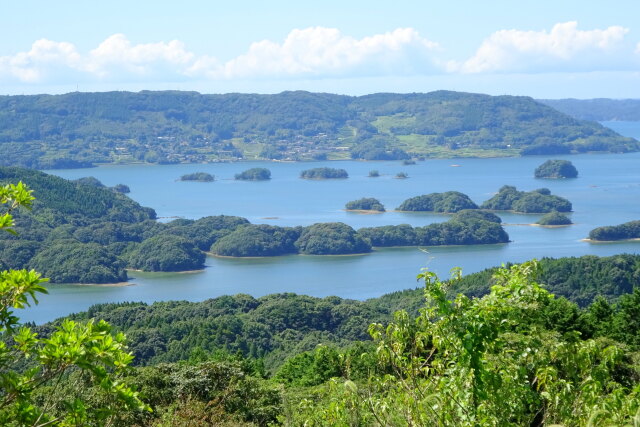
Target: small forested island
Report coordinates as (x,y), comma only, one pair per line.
(365,204)
(554,219)
(374,174)
(324,173)
(254,174)
(627,231)
(402,175)
(456,231)
(541,200)
(198,176)
(556,169)
(408,162)
(447,202)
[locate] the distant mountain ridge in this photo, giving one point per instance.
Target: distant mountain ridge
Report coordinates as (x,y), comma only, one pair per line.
(599,109)
(80,129)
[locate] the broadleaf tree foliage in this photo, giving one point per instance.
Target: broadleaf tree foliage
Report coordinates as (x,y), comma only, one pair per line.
(30,364)
(483,361)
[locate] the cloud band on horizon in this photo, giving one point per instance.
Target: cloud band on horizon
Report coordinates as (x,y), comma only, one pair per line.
(320,52)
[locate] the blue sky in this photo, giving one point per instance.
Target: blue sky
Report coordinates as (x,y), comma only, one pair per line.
(545,49)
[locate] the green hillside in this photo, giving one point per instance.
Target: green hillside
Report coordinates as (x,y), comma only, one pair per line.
(79,129)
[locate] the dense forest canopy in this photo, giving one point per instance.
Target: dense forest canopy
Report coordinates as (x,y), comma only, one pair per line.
(210,359)
(78,129)
(170,331)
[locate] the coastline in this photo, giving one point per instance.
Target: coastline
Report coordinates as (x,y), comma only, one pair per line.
(103,285)
(278,256)
(538,225)
(634,239)
(364,211)
(178,272)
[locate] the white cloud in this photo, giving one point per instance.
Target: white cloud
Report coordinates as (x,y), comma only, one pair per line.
(564,48)
(118,53)
(44,55)
(320,51)
(116,58)
(309,52)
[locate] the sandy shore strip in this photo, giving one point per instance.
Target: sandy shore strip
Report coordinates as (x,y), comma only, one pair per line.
(635,239)
(536,225)
(364,211)
(164,272)
(109,285)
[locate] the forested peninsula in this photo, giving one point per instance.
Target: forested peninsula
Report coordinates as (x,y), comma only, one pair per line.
(81,129)
(83,232)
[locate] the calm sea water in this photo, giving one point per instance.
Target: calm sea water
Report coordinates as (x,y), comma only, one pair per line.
(606,192)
